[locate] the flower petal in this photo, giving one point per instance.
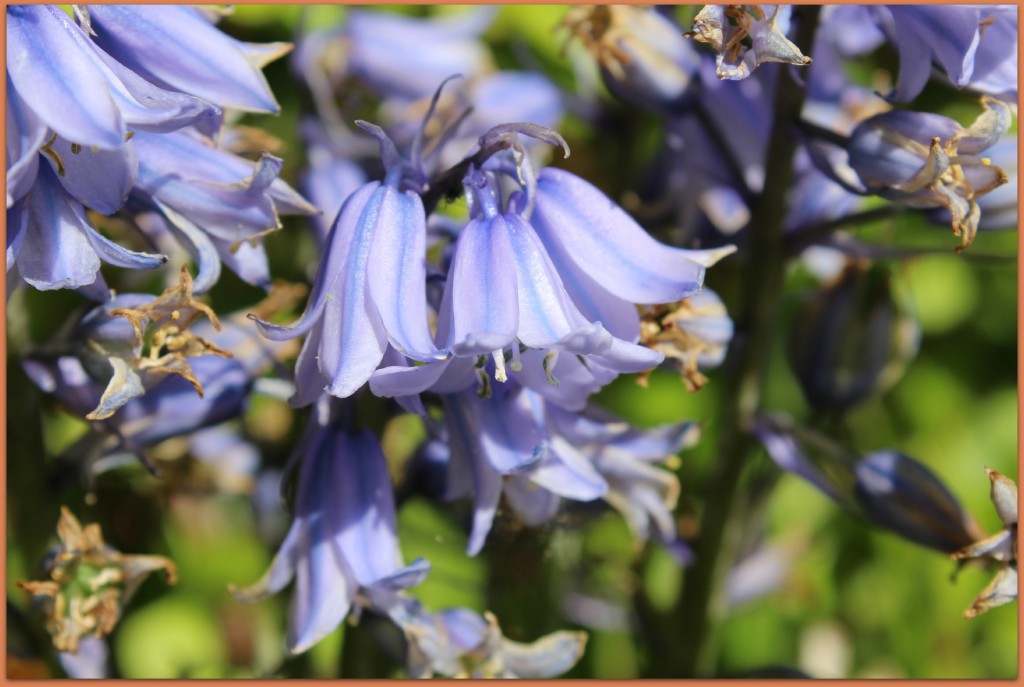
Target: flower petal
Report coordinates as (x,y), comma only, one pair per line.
(98,178)
(483,295)
(175,47)
(56,73)
(608,244)
(332,264)
(398,279)
(55,251)
(467,459)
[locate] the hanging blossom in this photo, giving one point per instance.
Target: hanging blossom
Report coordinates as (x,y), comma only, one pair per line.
(343,538)
(578,265)
(80,95)
(370,287)
(539,444)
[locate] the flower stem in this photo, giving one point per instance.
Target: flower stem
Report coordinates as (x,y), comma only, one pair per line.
(703,599)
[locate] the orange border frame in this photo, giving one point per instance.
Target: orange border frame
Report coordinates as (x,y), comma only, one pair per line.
(580,683)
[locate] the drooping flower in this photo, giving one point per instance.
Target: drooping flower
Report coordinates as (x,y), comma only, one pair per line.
(343,537)
(103,372)
(177,48)
(973,45)
(213,201)
(100,89)
(370,288)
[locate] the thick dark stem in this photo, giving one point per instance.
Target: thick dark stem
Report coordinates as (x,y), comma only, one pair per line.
(703,599)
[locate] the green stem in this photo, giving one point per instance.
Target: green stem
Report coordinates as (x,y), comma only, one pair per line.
(703,600)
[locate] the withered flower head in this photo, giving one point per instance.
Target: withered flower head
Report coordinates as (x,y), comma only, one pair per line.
(161,346)
(1000,547)
(89,583)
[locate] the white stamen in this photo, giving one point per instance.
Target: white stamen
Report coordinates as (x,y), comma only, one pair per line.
(499,366)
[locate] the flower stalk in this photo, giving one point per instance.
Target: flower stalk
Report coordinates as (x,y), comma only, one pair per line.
(703,602)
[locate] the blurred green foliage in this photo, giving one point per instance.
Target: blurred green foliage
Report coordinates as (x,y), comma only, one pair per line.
(865,602)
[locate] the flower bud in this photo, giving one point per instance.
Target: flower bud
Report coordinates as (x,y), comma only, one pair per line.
(887,488)
(852,340)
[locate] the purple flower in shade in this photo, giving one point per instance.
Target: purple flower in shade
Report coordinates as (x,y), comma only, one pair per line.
(460,643)
(642,54)
(370,288)
(1001,547)
(927,160)
(506,435)
(973,45)
(407,57)
(887,488)
(727,28)
(625,457)
(214,202)
(343,537)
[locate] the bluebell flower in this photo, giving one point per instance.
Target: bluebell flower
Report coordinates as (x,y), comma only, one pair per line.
(139,401)
(606,261)
(370,288)
(927,160)
(51,244)
(122,86)
(506,435)
(626,458)
(973,45)
(57,70)
(214,201)
(343,536)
